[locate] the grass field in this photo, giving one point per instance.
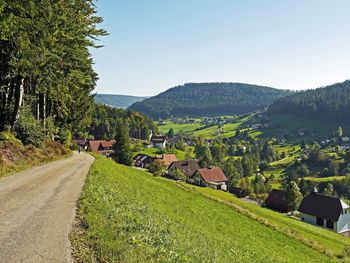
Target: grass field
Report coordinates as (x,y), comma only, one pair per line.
(127,215)
(320,130)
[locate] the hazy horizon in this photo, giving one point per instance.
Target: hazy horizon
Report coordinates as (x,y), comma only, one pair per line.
(156,45)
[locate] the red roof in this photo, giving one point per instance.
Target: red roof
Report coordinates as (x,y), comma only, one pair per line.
(100,146)
(214,174)
(167,159)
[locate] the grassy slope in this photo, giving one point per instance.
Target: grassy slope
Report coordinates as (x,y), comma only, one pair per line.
(291,123)
(131,216)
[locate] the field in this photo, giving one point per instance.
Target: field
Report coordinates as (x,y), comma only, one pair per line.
(317,129)
(195,130)
(127,215)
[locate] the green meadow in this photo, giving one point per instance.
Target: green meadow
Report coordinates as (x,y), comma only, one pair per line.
(128,215)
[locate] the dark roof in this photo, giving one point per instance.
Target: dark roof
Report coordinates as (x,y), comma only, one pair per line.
(277,201)
(214,174)
(158,139)
(323,206)
(238,191)
(188,167)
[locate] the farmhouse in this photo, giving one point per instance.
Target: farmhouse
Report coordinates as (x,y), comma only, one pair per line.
(167,159)
(277,201)
(158,141)
(142,160)
(211,177)
(326,211)
(103,147)
(188,167)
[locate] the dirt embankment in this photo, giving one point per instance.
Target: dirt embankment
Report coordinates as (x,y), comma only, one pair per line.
(14,156)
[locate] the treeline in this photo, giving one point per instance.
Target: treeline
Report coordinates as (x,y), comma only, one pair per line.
(106,120)
(331,103)
(208,99)
(46,74)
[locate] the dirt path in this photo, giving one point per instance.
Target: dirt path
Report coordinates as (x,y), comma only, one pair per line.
(37,208)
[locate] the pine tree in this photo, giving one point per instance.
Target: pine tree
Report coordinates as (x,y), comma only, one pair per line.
(171,133)
(293,195)
(122,153)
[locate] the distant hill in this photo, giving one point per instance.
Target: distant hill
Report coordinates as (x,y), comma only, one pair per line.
(208,99)
(117,101)
(327,104)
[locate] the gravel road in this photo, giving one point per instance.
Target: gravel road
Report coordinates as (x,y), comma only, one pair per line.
(37,209)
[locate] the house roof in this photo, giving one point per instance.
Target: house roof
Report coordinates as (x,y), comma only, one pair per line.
(188,167)
(323,206)
(214,174)
(237,191)
(276,200)
(99,146)
(167,159)
(158,138)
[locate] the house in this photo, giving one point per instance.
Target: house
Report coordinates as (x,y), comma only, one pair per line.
(103,147)
(82,143)
(167,159)
(326,211)
(239,192)
(158,141)
(277,201)
(211,177)
(188,167)
(142,160)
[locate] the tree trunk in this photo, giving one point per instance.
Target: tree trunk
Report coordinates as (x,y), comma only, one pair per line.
(18,101)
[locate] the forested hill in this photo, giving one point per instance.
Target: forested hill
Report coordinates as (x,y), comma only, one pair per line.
(117,101)
(331,103)
(208,99)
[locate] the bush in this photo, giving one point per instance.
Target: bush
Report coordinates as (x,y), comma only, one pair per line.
(28,129)
(10,137)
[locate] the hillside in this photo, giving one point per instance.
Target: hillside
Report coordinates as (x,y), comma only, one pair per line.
(327,104)
(208,99)
(117,101)
(160,220)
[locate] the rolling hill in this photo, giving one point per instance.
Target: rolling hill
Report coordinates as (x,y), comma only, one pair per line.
(128,215)
(326,104)
(208,99)
(117,101)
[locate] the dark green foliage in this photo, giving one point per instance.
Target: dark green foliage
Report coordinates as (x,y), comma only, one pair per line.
(293,195)
(45,62)
(330,104)
(208,99)
(104,123)
(157,168)
(171,133)
(122,146)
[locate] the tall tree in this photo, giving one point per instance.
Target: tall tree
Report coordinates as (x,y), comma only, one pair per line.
(293,195)
(122,146)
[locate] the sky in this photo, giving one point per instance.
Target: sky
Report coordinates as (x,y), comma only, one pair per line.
(154,45)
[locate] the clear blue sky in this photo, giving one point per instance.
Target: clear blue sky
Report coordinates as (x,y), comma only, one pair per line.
(156,44)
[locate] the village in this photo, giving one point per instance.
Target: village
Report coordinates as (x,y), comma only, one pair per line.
(315,208)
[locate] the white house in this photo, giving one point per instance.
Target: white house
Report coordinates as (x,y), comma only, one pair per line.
(212,177)
(327,212)
(158,141)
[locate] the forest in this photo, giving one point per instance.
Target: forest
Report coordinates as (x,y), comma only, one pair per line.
(104,122)
(208,99)
(46,73)
(329,104)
